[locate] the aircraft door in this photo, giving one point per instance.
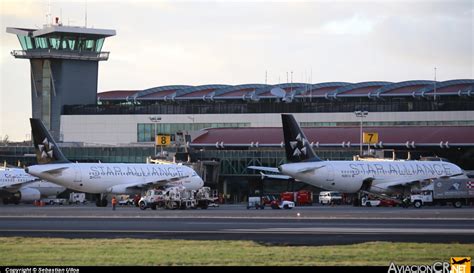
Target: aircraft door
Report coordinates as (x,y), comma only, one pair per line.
(330,172)
(77,173)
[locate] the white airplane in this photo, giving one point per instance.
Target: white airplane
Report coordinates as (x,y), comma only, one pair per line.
(351,176)
(17,186)
(103,178)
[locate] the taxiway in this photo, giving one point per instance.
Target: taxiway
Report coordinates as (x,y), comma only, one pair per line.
(300,226)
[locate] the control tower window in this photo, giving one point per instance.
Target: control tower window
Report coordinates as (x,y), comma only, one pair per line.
(71,44)
(41,43)
(90,45)
(61,43)
(99,44)
(25,42)
(54,43)
(64,44)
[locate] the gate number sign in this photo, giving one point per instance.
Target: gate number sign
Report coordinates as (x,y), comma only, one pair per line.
(370,137)
(163,140)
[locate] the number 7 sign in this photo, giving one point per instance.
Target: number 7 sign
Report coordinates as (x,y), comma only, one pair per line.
(370,137)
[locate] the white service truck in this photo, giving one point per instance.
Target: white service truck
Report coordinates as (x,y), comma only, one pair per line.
(443,191)
(177,198)
(330,197)
(77,198)
(55,201)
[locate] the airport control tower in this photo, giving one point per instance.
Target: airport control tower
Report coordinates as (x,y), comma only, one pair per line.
(64,63)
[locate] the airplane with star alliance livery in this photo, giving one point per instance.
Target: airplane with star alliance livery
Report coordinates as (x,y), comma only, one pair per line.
(17,186)
(351,176)
(103,178)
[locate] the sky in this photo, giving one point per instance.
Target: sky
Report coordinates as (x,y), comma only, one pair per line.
(239,42)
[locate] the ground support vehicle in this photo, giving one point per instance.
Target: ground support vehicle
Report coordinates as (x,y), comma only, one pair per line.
(443,191)
(205,198)
(365,202)
(177,198)
(256,202)
(126,202)
(284,204)
(370,199)
(330,197)
(152,199)
(77,198)
(55,201)
(301,198)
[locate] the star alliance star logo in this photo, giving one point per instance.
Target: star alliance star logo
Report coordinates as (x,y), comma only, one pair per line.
(46,149)
(300,141)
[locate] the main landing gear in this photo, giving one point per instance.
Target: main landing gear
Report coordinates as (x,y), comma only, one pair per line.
(101,200)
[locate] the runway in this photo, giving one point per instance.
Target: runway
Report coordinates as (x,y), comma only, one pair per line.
(314,225)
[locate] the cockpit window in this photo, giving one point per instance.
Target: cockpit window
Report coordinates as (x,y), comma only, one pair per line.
(194,174)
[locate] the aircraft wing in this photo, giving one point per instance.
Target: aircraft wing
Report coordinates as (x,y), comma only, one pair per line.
(310,169)
(157,183)
(16,185)
(393,184)
(12,185)
(265,169)
(398,182)
(55,171)
(275,176)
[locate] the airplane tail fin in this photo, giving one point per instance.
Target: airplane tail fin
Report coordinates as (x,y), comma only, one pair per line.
(45,148)
(297,146)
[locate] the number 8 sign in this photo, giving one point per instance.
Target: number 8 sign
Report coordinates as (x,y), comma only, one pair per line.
(163,140)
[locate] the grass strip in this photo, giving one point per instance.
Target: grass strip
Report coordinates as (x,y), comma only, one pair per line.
(113,252)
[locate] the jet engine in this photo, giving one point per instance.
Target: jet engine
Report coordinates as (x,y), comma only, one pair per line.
(29,194)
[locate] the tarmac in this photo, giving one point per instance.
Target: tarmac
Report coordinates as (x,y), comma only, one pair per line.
(312,225)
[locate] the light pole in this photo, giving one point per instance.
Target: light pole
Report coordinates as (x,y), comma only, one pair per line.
(434,97)
(361,115)
(155,120)
(191,118)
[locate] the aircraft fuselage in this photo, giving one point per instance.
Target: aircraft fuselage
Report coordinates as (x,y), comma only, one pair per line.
(348,176)
(112,178)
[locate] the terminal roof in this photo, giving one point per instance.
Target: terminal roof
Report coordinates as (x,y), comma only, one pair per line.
(328,90)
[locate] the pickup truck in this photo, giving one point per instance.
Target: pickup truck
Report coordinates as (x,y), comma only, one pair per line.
(55,201)
(282,204)
(370,203)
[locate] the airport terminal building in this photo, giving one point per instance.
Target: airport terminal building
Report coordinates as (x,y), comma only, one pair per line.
(225,128)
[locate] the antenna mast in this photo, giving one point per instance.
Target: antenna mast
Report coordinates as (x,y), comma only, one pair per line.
(85,14)
(48,15)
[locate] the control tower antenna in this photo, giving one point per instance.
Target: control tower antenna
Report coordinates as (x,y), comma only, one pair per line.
(48,15)
(85,14)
